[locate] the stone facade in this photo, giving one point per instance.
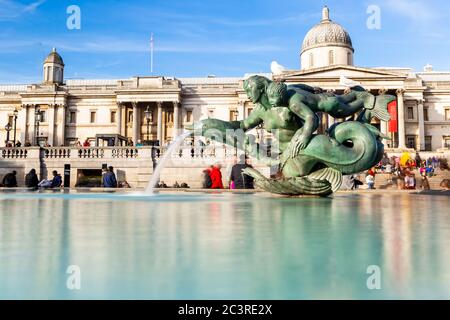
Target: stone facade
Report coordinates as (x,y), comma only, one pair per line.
(78,110)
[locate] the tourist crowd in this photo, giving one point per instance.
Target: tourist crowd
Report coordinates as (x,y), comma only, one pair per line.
(403,170)
(212,176)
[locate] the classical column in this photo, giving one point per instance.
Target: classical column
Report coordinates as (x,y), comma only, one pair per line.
(325,124)
(32,124)
(51,125)
(176,119)
(421,144)
(159,123)
(119,118)
(401,119)
(135,122)
(241,110)
(61,119)
(384,130)
(330,121)
(383,124)
(22,124)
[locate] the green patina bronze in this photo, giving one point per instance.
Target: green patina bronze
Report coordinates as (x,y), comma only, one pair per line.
(309,163)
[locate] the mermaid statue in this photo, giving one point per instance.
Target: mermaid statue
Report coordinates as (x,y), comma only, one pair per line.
(308,162)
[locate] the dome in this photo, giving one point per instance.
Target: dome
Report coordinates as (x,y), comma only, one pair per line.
(326,33)
(54,57)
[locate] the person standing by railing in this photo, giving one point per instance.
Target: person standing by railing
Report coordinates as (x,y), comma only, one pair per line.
(86,143)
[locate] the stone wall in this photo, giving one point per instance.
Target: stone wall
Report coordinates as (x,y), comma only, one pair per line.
(132,164)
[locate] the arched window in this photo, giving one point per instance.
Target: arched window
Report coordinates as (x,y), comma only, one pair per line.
(331,57)
(311,60)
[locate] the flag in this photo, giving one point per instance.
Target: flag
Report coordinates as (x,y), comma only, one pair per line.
(151,52)
(392,109)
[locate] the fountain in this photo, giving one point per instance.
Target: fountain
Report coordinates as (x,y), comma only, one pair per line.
(309,163)
(163,161)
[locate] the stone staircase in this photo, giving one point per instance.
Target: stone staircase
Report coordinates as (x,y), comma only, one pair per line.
(382,180)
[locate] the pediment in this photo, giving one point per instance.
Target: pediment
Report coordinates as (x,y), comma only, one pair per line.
(347,71)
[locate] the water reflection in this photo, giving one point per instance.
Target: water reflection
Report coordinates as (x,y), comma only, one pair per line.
(225,246)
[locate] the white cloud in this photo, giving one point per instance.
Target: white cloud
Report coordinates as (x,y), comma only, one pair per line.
(10,10)
(416,10)
(33,6)
(110,45)
(426,19)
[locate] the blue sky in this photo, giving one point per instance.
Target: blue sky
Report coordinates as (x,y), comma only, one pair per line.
(197,38)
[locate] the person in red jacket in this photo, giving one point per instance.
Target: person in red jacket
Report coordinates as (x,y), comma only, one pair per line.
(216,177)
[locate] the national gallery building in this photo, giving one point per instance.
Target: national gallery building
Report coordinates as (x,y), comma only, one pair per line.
(59,112)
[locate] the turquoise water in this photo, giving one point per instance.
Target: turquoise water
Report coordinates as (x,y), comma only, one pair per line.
(228,246)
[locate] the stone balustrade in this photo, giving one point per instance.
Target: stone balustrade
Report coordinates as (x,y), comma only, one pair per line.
(78,153)
(132,164)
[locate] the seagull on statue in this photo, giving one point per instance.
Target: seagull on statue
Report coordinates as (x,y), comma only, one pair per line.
(346,82)
(276,68)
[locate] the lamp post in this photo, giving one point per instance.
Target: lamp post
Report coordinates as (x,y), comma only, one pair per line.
(37,119)
(148,117)
(16,113)
(8,129)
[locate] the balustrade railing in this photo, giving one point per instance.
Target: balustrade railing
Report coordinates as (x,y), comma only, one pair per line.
(91,153)
(125,152)
(14,153)
(183,153)
(56,153)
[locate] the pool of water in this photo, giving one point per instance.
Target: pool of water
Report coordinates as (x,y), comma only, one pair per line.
(224,246)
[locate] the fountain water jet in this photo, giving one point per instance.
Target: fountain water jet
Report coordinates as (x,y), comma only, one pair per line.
(163,161)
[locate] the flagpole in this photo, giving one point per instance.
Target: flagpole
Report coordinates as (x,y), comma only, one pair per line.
(151,54)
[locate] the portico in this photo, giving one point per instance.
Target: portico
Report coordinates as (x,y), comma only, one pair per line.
(161,97)
(409,92)
(164,120)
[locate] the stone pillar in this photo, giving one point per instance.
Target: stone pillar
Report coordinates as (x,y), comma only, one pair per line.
(421,144)
(383,124)
(159,123)
(324,121)
(330,121)
(176,119)
(401,119)
(22,124)
(119,118)
(135,122)
(32,124)
(241,110)
(61,121)
(384,130)
(51,114)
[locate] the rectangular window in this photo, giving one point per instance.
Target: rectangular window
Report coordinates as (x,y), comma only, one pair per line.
(11,120)
(410,113)
(447,114)
(233,115)
(425,114)
(249,110)
(411,142)
(447,143)
(72,117)
(113,116)
(428,143)
(93,116)
(188,116)
(43,116)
